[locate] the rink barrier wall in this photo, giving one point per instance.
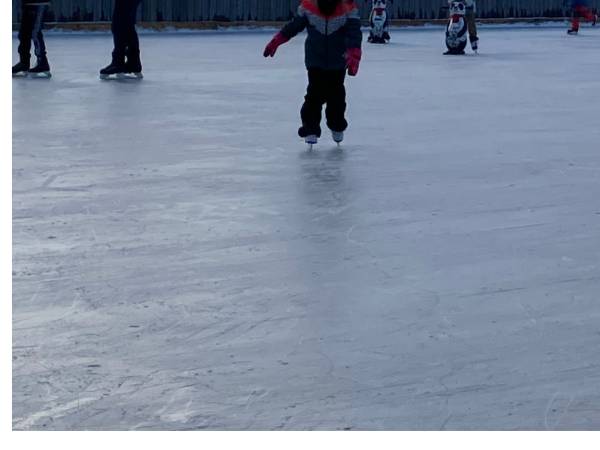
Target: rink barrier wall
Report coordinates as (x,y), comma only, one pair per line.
(257,25)
(191,11)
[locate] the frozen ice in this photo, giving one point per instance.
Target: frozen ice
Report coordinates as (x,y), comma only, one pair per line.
(181,261)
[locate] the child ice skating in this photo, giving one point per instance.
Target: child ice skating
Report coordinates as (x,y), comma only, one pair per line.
(333,46)
(126,53)
(379,22)
(32,21)
(580,10)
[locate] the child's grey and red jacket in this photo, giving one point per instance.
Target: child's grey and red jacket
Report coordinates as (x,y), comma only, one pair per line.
(328,36)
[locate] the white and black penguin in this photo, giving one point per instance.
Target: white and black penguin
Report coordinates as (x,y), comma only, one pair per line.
(456,31)
(379,22)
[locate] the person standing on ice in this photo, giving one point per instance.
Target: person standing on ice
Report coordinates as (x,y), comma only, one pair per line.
(126,53)
(580,10)
(470,15)
(32,21)
(333,46)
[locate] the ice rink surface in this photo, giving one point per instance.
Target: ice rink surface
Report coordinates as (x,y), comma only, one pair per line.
(181,261)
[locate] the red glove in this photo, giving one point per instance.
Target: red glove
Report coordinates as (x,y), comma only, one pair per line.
(353,56)
(271,47)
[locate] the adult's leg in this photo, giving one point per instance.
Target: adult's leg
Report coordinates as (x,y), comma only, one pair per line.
(313,103)
(336,100)
(133,44)
(38,37)
(26,32)
(120,30)
(471,25)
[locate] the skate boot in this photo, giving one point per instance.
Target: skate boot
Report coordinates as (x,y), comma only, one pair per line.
(337,136)
(134,66)
(21,68)
(386,36)
(311,140)
(572,31)
(41,69)
(115,68)
(310,136)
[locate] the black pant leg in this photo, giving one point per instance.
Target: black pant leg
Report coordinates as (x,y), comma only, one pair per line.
(26,32)
(38,37)
(336,100)
(313,101)
(123,29)
(119,40)
(133,43)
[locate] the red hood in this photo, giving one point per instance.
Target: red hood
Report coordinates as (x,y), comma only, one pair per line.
(343,8)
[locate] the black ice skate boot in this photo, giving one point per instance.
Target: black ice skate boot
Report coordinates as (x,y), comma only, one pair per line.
(133,66)
(573,31)
(116,67)
(21,68)
(41,69)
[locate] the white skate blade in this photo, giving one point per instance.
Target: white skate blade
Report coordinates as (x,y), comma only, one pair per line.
(40,75)
(19,75)
(130,76)
(122,76)
(311,140)
(112,76)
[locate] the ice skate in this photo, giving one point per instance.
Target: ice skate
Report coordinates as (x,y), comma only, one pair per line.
(112,71)
(132,69)
(337,136)
(572,31)
(310,136)
(130,76)
(20,69)
(311,140)
(41,69)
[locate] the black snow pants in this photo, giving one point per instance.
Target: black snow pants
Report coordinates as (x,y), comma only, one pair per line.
(31,29)
(324,87)
(125,37)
